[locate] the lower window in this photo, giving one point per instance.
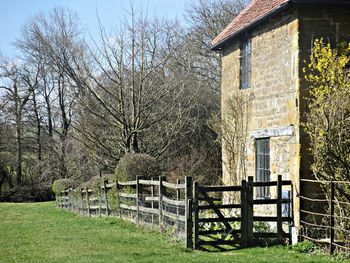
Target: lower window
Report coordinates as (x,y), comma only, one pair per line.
(262,173)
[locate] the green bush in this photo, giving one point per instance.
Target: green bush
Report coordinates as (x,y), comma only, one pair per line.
(305,247)
(59,185)
(134,164)
(28,193)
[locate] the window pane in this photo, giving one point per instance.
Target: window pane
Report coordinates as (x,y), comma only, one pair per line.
(245,64)
(262,165)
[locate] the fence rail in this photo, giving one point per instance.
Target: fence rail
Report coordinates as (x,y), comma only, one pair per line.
(156,203)
(181,208)
(327,227)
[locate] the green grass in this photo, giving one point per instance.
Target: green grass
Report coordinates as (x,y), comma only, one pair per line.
(39,232)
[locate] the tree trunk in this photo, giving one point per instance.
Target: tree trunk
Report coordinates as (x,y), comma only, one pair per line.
(38,136)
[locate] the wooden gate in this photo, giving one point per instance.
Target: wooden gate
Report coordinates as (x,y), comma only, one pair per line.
(234,223)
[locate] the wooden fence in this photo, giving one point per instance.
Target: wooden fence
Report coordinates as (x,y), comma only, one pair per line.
(332,226)
(179,208)
(238,229)
(154,203)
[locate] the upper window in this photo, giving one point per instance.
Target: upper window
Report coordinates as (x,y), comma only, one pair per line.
(245,64)
(262,151)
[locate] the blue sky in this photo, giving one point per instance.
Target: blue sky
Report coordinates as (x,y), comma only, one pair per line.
(14,13)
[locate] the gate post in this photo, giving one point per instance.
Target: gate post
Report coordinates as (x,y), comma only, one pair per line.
(250,212)
(279,209)
(244,214)
(188,212)
(195,216)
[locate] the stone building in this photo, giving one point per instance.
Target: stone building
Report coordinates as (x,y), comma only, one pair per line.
(264,50)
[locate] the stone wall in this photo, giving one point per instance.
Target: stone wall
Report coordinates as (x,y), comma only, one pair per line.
(273,98)
(277,103)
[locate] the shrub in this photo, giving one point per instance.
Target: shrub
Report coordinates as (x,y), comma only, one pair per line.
(28,193)
(133,164)
(95,182)
(59,185)
(305,247)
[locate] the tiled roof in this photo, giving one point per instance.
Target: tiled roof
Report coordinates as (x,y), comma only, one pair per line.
(256,10)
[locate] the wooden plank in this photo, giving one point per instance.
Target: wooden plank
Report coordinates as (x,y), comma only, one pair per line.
(218,231)
(226,206)
(148,210)
(220,188)
(110,185)
(216,199)
(271,218)
(151,198)
(173,202)
(127,195)
(127,183)
(271,183)
(173,186)
(217,242)
(129,207)
(269,201)
(174,216)
(217,219)
(148,182)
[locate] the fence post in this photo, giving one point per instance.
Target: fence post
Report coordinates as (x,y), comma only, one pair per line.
(82,201)
(244,220)
(177,196)
(65,198)
(250,211)
(188,212)
(195,216)
(117,187)
(105,182)
(87,201)
(137,199)
(99,201)
(331,236)
(160,192)
(152,203)
(73,199)
(279,209)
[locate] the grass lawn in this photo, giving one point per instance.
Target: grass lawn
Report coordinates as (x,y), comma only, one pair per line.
(39,232)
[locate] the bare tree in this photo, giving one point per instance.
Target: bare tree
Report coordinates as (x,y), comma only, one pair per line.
(18,96)
(207,18)
(53,40)
(134,89)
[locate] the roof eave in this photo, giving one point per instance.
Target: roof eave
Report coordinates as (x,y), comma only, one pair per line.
(230,38)
(222,43)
